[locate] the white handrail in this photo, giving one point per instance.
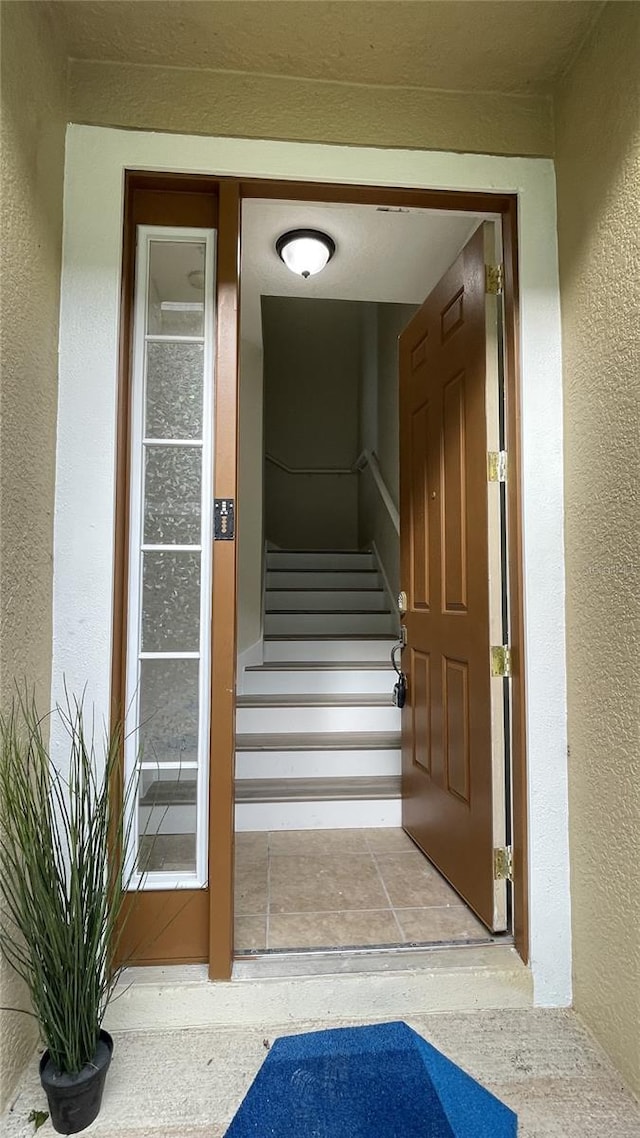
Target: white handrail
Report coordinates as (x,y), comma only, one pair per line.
(367,458)
(309,469)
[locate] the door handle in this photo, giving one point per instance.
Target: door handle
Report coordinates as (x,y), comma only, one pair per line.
(400,688)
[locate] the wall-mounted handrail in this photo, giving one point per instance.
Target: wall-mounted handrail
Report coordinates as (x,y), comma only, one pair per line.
(367,458)
(309,469)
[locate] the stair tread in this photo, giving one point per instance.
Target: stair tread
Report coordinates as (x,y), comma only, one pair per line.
(305,552)
(324,589)
(174,792)
(328,612)
(313,699)
(318,741)
(311,569)
(311,637)
(318,789)
(320,666)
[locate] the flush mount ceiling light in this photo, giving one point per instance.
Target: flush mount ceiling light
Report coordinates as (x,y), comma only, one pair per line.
(305,251)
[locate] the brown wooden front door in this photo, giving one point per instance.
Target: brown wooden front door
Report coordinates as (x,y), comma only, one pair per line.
(453,746)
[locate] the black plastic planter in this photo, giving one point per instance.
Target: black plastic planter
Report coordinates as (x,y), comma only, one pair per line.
(74,1100)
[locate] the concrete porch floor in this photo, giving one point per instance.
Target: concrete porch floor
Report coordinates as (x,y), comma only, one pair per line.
(188,1083)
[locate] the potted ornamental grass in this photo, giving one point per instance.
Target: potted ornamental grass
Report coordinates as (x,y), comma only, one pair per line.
(63,879)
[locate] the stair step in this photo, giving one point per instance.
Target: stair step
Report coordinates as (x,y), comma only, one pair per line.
(320,666)
(319,741)
(330,600)
(270,715)
(305,699)
(171,793)
(329,623)
(323,578)
(318,789)
(300,677)
(291,763)
(332,559)
(318,648)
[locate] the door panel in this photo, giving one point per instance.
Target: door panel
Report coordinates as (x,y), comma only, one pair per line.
(451,746)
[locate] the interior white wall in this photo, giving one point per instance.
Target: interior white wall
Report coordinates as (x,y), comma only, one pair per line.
(376,527)
(311,366)
(368,401)
(84,513)
(250,497)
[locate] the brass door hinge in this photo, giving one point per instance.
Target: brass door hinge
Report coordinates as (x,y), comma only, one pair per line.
(493,279)
(497,465)
(503,864)
(501,660)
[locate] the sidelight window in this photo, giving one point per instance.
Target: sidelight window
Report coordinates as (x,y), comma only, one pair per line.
(170,559)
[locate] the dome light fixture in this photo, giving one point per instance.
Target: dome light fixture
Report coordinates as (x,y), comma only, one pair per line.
(305,251)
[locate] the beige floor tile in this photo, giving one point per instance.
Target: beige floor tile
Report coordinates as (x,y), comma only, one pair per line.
(251,861)
(252,842)
(317,843)
(440,923)
(332,930)
(251,887)
(412,883)
(391,840)
(250,933)
(317,884)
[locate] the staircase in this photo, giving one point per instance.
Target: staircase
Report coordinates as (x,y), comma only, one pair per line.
(318,739)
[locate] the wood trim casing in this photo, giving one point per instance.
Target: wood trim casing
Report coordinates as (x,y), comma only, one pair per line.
(223,659)
(520,819)
(506,207)
(151,931)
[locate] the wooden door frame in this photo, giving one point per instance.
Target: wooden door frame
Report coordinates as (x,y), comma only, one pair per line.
(232,193)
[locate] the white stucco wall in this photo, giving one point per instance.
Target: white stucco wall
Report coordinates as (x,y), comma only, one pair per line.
(84,516)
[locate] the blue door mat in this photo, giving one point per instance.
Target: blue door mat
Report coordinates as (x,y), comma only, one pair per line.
(382,1081)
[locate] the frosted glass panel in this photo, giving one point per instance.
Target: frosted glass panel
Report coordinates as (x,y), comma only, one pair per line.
(170,602)
(172,495)
(167,820)
(169,711)
(176,288)
(170,561)
(174,391)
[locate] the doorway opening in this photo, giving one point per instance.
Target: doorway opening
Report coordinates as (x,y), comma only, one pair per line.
(348,502)
(393,548)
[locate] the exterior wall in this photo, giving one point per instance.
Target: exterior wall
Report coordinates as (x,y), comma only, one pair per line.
(598,166)
(33,118)
(87,410)
(312,364)
(236,104)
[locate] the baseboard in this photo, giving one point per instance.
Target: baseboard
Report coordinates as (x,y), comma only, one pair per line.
(393,597)
(252,657)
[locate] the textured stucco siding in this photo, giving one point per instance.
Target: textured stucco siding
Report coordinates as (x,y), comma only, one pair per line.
(33,94)
(598,169)
(304,110)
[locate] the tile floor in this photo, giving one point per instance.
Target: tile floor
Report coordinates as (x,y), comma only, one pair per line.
(189,1083)
(311,889)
